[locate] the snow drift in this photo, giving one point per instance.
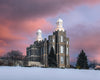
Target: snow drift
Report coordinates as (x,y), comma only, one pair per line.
(33,73)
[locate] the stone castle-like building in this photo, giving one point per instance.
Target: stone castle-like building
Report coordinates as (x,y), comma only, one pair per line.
(37,53)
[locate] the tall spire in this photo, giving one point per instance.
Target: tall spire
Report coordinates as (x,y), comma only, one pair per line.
(59,25)
(39,35)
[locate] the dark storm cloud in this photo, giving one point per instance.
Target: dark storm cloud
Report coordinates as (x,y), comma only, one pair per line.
(23,9)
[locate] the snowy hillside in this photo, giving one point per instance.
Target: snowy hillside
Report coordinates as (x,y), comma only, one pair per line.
(31,73)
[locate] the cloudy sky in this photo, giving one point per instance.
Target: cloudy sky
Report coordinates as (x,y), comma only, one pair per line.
(20,19)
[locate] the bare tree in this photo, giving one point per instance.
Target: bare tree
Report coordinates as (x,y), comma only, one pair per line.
(14,55)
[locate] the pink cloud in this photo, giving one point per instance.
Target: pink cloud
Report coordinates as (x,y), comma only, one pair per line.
(2,51)
(15,35)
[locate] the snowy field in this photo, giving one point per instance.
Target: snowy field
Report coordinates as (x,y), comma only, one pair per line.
(33,73)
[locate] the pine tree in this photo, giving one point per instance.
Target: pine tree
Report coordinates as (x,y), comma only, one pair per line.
(82,62)
(52,58)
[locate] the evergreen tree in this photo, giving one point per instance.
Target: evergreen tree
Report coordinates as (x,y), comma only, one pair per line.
(52,58)
(82,62)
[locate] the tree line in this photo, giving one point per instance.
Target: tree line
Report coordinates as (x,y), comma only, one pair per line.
(13,56)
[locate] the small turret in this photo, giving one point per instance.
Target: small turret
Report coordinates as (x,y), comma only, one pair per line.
(59,25)
(39,35)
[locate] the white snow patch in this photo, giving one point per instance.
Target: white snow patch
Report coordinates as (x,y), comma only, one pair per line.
(33,73)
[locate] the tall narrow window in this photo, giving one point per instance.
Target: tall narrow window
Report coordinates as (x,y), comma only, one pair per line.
(62,59)
(67,42)
(53,40)
(62,50)
(53,47)
(41,50)
(61,38)
(29,52)
(67,61)
(67,50)
(49,48)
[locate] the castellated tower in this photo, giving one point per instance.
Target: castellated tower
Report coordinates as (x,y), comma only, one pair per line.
(37,53)
(60,44)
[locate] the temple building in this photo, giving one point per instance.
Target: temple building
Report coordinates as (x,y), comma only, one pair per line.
(37,53)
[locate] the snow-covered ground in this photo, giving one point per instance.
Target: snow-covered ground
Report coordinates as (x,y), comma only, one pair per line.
(33,73)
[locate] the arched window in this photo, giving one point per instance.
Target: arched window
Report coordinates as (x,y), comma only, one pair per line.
(62,50)
(61,38)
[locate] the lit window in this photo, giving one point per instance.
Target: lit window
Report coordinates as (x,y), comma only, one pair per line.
(62,60)
(61,38)
(62,50)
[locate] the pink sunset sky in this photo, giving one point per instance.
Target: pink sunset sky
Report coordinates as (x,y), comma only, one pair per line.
(20,19)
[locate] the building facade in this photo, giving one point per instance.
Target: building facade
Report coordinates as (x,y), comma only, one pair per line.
(37,53)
